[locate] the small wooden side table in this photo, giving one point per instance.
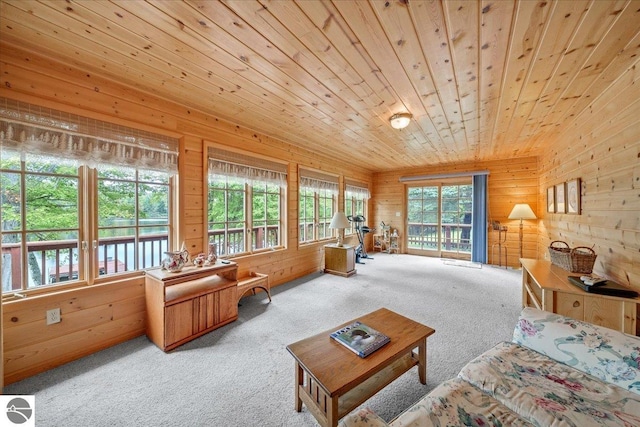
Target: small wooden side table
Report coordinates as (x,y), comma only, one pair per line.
(340,260)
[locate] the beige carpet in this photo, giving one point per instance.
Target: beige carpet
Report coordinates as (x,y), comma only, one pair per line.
(242,375)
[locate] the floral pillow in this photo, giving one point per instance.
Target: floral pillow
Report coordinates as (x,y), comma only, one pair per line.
(607,354)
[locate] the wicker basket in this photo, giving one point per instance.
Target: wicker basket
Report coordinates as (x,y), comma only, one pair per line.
(577,260)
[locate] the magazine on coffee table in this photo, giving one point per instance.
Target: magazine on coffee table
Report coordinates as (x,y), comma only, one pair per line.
(360,338)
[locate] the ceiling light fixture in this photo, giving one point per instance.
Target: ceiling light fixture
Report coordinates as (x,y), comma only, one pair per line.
(400,120)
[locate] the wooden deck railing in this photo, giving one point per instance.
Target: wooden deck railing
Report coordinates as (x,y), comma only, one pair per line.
(455,237)
(57,261)
(231,241)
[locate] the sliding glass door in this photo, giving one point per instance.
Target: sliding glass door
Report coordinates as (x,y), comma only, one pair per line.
(423,207)
(439,220)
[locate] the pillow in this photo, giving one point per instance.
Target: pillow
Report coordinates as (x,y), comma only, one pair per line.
(610,355)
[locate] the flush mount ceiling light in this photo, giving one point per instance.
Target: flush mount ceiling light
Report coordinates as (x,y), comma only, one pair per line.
(400,120)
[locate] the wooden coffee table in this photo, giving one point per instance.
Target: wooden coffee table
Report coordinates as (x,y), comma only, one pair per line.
(332,381)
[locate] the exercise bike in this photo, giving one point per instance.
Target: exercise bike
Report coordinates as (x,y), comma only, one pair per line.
(361,230)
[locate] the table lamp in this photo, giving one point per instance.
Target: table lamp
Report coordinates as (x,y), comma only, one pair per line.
(522,211)
(339,222)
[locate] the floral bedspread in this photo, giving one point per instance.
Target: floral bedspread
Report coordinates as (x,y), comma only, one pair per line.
(549,393)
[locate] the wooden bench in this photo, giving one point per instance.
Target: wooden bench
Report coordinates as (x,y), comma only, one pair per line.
(253,281)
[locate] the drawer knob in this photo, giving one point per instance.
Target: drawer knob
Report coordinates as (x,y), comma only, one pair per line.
(576,304)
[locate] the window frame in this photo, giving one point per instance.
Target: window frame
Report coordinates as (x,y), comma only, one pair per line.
(138,227)
(23,172)
(351,205)
(84,263)
(219,153)
(318,219)
(250,218)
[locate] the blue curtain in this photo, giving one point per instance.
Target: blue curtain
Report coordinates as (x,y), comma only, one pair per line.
(479,219)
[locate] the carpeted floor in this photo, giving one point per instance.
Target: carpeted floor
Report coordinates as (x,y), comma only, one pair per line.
(242,374)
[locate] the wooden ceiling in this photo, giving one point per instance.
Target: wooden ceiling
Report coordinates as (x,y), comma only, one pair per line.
(483,79)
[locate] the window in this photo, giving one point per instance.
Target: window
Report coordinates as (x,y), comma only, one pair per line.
(245,203)
(356,197)
(40,221)
(80,198)
(133,219)
(265,211)
(306,215)
(227,215)
(317,197)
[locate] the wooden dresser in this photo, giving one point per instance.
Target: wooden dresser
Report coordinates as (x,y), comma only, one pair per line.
(185,305)
(546,286)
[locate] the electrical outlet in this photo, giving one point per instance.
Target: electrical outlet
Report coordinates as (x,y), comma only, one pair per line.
(53,316)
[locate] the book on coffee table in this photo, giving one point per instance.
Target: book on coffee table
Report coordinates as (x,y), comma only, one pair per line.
(360,338)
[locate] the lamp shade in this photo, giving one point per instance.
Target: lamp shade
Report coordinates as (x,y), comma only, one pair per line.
(522,211)
(400,120)
(339,220)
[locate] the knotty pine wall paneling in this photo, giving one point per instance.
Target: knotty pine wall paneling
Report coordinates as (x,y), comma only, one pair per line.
(92,318)
(515,181)
(96,317)
(192,206)
(602,148)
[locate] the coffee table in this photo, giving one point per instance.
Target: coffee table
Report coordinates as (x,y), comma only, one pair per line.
(332,381)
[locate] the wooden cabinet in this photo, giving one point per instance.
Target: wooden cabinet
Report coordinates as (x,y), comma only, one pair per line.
(340,260)
(185,305)
(547,287)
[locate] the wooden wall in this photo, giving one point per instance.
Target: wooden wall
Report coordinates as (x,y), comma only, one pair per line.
(99,316)
(602,148)
(515,181)
(92,318)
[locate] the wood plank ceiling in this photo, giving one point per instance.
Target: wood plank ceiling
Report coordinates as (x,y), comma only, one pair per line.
(483,79)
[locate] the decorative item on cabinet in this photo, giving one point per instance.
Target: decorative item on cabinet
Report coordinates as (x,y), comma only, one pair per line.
(199,260)
(213,254)
(576,260)
(175,260)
